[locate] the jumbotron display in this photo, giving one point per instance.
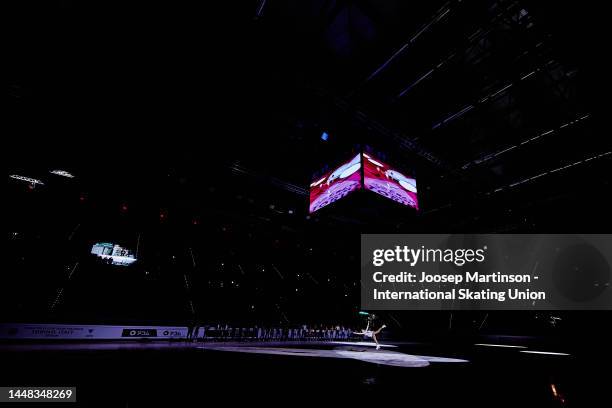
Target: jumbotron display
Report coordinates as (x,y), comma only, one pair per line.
(113,253)
(388,182)
(378,177)
(336,184)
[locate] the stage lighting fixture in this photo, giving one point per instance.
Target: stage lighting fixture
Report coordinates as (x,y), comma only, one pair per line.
(499,345)
(30,180)
(548,353)
(62,173)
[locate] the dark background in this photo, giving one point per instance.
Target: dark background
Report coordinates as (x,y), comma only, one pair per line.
(193,132)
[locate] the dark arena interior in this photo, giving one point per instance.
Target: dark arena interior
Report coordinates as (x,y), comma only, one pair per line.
(161,157)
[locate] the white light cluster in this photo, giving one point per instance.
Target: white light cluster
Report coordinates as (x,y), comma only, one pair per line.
(26,179)
(549,353)
(499,345)
(62,173)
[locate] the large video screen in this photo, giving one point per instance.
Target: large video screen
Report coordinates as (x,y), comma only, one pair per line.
(336,184)
(113,254)
(380,178)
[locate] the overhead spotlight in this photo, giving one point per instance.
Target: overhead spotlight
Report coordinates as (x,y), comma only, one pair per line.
(499,345)
(62,173)
(549,353)
(30,180)
(324,136)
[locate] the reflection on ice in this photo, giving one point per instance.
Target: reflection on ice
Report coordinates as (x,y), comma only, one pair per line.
(390,358)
